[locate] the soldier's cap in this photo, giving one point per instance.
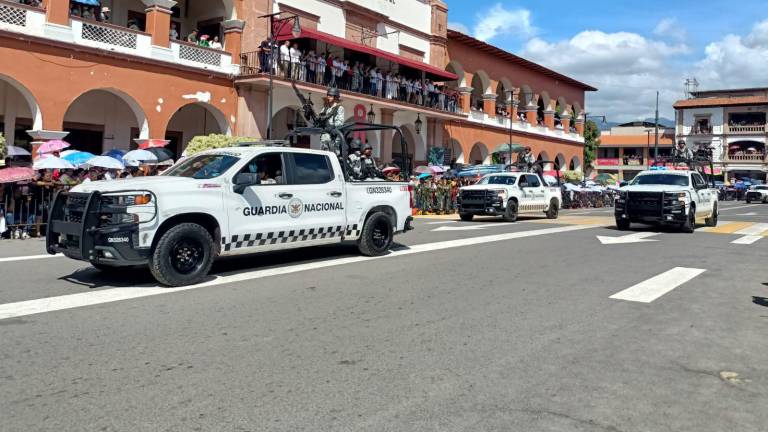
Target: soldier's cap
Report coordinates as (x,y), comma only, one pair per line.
(333,92)
(368,147)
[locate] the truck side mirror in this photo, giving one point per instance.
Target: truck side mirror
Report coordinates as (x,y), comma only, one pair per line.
(622,184)
(244,180)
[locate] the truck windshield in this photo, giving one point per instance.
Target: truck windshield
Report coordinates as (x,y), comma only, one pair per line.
(661,179)
(497,180)
(203,167)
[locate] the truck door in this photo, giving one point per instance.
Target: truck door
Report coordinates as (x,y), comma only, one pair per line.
(318,205)
(704,194)
(259,218)
(535,193)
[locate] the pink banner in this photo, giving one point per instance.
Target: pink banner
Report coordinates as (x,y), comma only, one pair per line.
(608,161)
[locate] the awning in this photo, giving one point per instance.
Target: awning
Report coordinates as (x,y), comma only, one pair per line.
(436,73)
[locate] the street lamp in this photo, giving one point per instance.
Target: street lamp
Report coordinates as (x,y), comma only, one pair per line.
(273,35)
(371,115)
(418,124)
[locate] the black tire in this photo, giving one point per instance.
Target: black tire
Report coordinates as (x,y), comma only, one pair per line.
(554,210)
(622,224)
(377,235)
(466,217)
(183,255)
(510,213)
(749,201)
(712,221)
(689,226)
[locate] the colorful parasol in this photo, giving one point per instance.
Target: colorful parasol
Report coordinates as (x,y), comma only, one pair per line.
(16,174)
(153,143)
(53,146)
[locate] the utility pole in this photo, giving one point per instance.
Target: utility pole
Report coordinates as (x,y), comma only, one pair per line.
(656,129)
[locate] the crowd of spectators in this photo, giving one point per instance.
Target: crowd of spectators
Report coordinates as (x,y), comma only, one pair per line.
(291,62)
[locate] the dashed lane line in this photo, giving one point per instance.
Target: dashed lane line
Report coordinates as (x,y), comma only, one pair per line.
(71,301)
(28,258)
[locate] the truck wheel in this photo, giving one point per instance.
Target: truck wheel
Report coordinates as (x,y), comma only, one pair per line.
(689,226)
(748,201)
(553,210)
(183,256)
(466,217)
(712,220)
(376,238)
(510,213)
(622,224)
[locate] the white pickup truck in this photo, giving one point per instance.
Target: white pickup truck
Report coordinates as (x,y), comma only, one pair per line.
(671,197)
(226,202)
(508,195)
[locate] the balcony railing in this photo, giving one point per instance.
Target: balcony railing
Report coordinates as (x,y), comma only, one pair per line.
(193,55)
(747,130)
(607,161)
(111,37)
(18,17)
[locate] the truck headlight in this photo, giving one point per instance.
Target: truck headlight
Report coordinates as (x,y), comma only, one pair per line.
(501,194)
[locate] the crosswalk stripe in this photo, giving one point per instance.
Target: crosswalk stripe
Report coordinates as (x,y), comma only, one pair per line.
(747,240)
(728,228)
(754,229)
(655,287)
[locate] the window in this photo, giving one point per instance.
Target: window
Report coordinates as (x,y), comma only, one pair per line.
(661,179)
(498,180)
(269,167)
(203,167)
(311,169)
(698,180)
(533,181)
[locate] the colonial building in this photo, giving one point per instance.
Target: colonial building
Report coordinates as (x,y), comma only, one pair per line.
(732,123)
(106,74)
(629,148)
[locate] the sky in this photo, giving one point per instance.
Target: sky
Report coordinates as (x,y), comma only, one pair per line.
(629,49)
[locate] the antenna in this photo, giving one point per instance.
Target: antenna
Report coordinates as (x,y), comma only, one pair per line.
(691,86)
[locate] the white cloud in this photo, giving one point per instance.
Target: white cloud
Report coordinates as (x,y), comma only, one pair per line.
(627,68)
(669,27)
(459,27)
(498,21)
(735,61)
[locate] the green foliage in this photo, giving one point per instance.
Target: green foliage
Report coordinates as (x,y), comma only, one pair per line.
(573,176)
(3,149)
(591,142)
(214,141)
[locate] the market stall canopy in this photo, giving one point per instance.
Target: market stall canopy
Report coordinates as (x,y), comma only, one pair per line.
(432,72)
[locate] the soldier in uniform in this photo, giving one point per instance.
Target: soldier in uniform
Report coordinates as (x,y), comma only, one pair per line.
(682,153)
(369,167)
(525,159)
(354,160)
(332,116)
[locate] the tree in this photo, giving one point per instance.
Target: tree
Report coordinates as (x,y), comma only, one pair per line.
(3,149)
(214,141)
(591,142)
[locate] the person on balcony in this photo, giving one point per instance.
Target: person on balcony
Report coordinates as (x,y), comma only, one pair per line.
(192,37)
(321,66)
(285,59)
(173,33)
(295,57)
(104,14)
(216,43)
(203,42)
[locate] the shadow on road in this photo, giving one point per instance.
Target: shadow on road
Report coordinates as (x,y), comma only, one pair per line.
(140,277)
(760,301)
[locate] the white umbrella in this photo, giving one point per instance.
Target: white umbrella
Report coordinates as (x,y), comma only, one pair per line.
(52,162)
(106,162)
(137,157)
(14,151)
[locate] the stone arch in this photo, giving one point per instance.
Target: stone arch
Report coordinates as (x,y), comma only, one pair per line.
(194,119)
(479,153)
(456,68)
(560,161)
(285,119)
(29,98)
(398,158)
(577,110)
(526,95)
(544,99)
(138,112)
(575,164)
(457,151)
(481,85)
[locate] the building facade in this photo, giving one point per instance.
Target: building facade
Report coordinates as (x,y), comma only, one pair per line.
(730,122)
(629,148)
(109,80)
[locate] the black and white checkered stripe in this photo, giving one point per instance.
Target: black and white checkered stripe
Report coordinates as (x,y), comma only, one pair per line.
(282,237)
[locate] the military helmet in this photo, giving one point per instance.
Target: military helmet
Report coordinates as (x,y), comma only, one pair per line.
(356,144)
(333,92)
(368,147)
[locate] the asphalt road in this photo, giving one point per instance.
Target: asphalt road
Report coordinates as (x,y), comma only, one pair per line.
(480,326)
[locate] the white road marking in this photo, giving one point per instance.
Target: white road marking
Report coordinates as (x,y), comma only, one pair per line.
(755,229)
(640,237)
(30,257)
(747,240)
(477,227)
(655,287)
(441,222)
(71,301)
(586,213)
(746,214)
